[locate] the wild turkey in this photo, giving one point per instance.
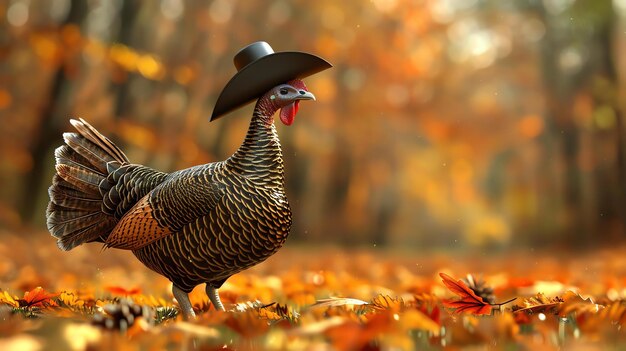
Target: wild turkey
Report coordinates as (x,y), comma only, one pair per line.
(197,225)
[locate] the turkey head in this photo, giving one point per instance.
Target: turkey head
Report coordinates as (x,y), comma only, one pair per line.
(286,97)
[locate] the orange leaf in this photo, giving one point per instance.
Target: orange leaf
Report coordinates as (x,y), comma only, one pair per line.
(385,302)
(469,302)
(118,290)
(37,297)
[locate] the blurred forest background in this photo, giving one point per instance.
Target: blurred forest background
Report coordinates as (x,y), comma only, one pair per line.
(444,123)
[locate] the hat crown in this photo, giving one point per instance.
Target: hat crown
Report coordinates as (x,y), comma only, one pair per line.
(252,53)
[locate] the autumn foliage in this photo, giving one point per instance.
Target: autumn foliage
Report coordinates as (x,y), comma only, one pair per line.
(323,298)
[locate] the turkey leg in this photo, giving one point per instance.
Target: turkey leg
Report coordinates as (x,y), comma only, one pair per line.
(215,298)
(184,303)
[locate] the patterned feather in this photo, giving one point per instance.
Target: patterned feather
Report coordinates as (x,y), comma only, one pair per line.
(105,145)
(137,228)
(77,212)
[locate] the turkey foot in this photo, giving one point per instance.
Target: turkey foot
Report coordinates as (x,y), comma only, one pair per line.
(214,297)
(184,303)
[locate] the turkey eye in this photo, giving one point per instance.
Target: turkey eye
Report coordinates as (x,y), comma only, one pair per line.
(283,91)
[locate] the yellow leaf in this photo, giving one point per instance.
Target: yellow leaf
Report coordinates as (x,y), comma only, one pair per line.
(7,299)
(267,314)
(70,299)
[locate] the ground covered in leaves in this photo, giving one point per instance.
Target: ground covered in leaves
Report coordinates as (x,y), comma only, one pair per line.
(316,299)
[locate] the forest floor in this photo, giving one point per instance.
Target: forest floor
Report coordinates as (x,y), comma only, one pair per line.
(316,298)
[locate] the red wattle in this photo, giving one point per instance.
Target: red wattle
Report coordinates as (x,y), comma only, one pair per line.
(288,113)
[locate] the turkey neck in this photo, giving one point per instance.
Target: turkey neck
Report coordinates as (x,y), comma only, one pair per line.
(260,157)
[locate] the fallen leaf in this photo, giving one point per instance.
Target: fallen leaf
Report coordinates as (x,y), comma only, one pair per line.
(385,302)
(469,302)
(37,297)
(538,304)
(286,312)
(575,303)
(70,299)
(7,299)
(266,313)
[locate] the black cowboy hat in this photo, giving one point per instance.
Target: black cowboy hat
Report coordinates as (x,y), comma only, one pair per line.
(259,69)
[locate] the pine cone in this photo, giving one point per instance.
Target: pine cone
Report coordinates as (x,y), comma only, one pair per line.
(480,288)
(122,315)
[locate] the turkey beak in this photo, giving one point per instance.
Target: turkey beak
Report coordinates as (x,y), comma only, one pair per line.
(305,95)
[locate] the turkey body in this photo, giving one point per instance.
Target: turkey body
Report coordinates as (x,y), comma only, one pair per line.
(248,223)
(197,225)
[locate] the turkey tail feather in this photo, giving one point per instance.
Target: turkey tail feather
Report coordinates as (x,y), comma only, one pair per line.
(89,132)
(74,214)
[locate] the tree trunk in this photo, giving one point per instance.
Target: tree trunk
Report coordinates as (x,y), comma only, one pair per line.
(49,133)
(128,14)
(593,199)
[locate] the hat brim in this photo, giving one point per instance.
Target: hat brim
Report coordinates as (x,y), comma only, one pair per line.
(263,74)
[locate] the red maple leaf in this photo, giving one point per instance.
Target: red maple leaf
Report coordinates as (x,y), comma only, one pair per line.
(37,297)
(469,302)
